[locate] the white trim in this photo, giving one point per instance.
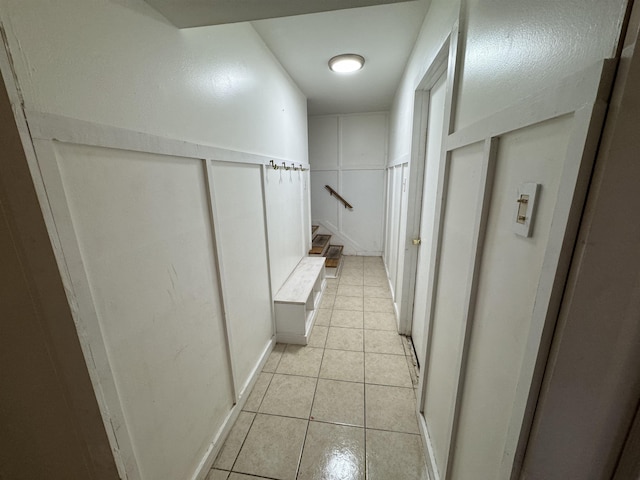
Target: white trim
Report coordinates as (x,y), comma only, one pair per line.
(471,289)
(422,99)
(426,440)
(206,463)
(222,291)
(349,169)
(569,95)
(48,126)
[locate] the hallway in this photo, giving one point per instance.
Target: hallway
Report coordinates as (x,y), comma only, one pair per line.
(342,407)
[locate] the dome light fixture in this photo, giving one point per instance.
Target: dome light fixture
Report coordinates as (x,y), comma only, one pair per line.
(346,63)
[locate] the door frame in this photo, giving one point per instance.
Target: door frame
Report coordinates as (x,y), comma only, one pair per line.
(445,61)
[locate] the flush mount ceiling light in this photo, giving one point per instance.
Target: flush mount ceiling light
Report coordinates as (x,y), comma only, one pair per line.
(346,63)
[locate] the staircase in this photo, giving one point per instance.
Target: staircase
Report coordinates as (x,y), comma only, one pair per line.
(320,247)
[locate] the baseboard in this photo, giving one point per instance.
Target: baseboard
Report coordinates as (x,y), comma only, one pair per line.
(219,438)
(428,446)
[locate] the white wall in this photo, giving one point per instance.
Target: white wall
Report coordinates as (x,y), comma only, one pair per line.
(348,153)
(174,319)
(509,51)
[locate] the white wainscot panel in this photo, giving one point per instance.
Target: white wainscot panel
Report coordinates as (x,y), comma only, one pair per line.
(242,243)
(323,142)
(285,222)
(143,227)
(364,140)
(364,189)
(449,313)
(324,208)
(510,273)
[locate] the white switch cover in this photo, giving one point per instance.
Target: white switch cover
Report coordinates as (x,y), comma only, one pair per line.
(525,208)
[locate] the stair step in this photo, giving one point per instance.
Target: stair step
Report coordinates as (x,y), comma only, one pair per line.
(319,245)
(314,229)
(333,256)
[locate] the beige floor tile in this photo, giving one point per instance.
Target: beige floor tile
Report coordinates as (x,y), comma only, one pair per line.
(347,319)
(339,402)
(351,279)
(391,408)
(377,267)
(323,317)
(380,321)
(343,365)
(348,303)
(242,476)
(392,455)
(372,304)
(352,260)
(351,267)
(273,447)
(345,339)
(377,292)
(289,396)
(327,300)
(372,259)
(385,369)
(300,360)
(333,452)
(257,393)
(233,443)
(318,336)
(381,341)
(217,475)
(350,290)
(331,288)
(375,280)
(274,358)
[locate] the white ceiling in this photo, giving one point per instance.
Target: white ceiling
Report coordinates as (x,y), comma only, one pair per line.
(383,34)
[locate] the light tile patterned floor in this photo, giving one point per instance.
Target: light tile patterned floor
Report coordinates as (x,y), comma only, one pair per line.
(342,407)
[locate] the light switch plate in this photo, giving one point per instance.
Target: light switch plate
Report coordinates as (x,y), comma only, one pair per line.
(525,208)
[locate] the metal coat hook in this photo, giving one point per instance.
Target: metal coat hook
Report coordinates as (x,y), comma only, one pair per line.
(284,165)
(273,164)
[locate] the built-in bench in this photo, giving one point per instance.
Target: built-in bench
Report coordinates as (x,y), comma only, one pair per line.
(297,301)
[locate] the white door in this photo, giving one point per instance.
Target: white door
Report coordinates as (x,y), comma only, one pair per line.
(432,161)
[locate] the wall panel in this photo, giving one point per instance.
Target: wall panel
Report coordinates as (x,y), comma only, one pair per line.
(142,225)
(348,152)
(364,223)
(363,140)
(321,208)
(453,273)
(285,222)
(242,245)
(535,154)
(323,142)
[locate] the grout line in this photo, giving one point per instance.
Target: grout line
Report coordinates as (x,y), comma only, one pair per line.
(364,365)
(313,401)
